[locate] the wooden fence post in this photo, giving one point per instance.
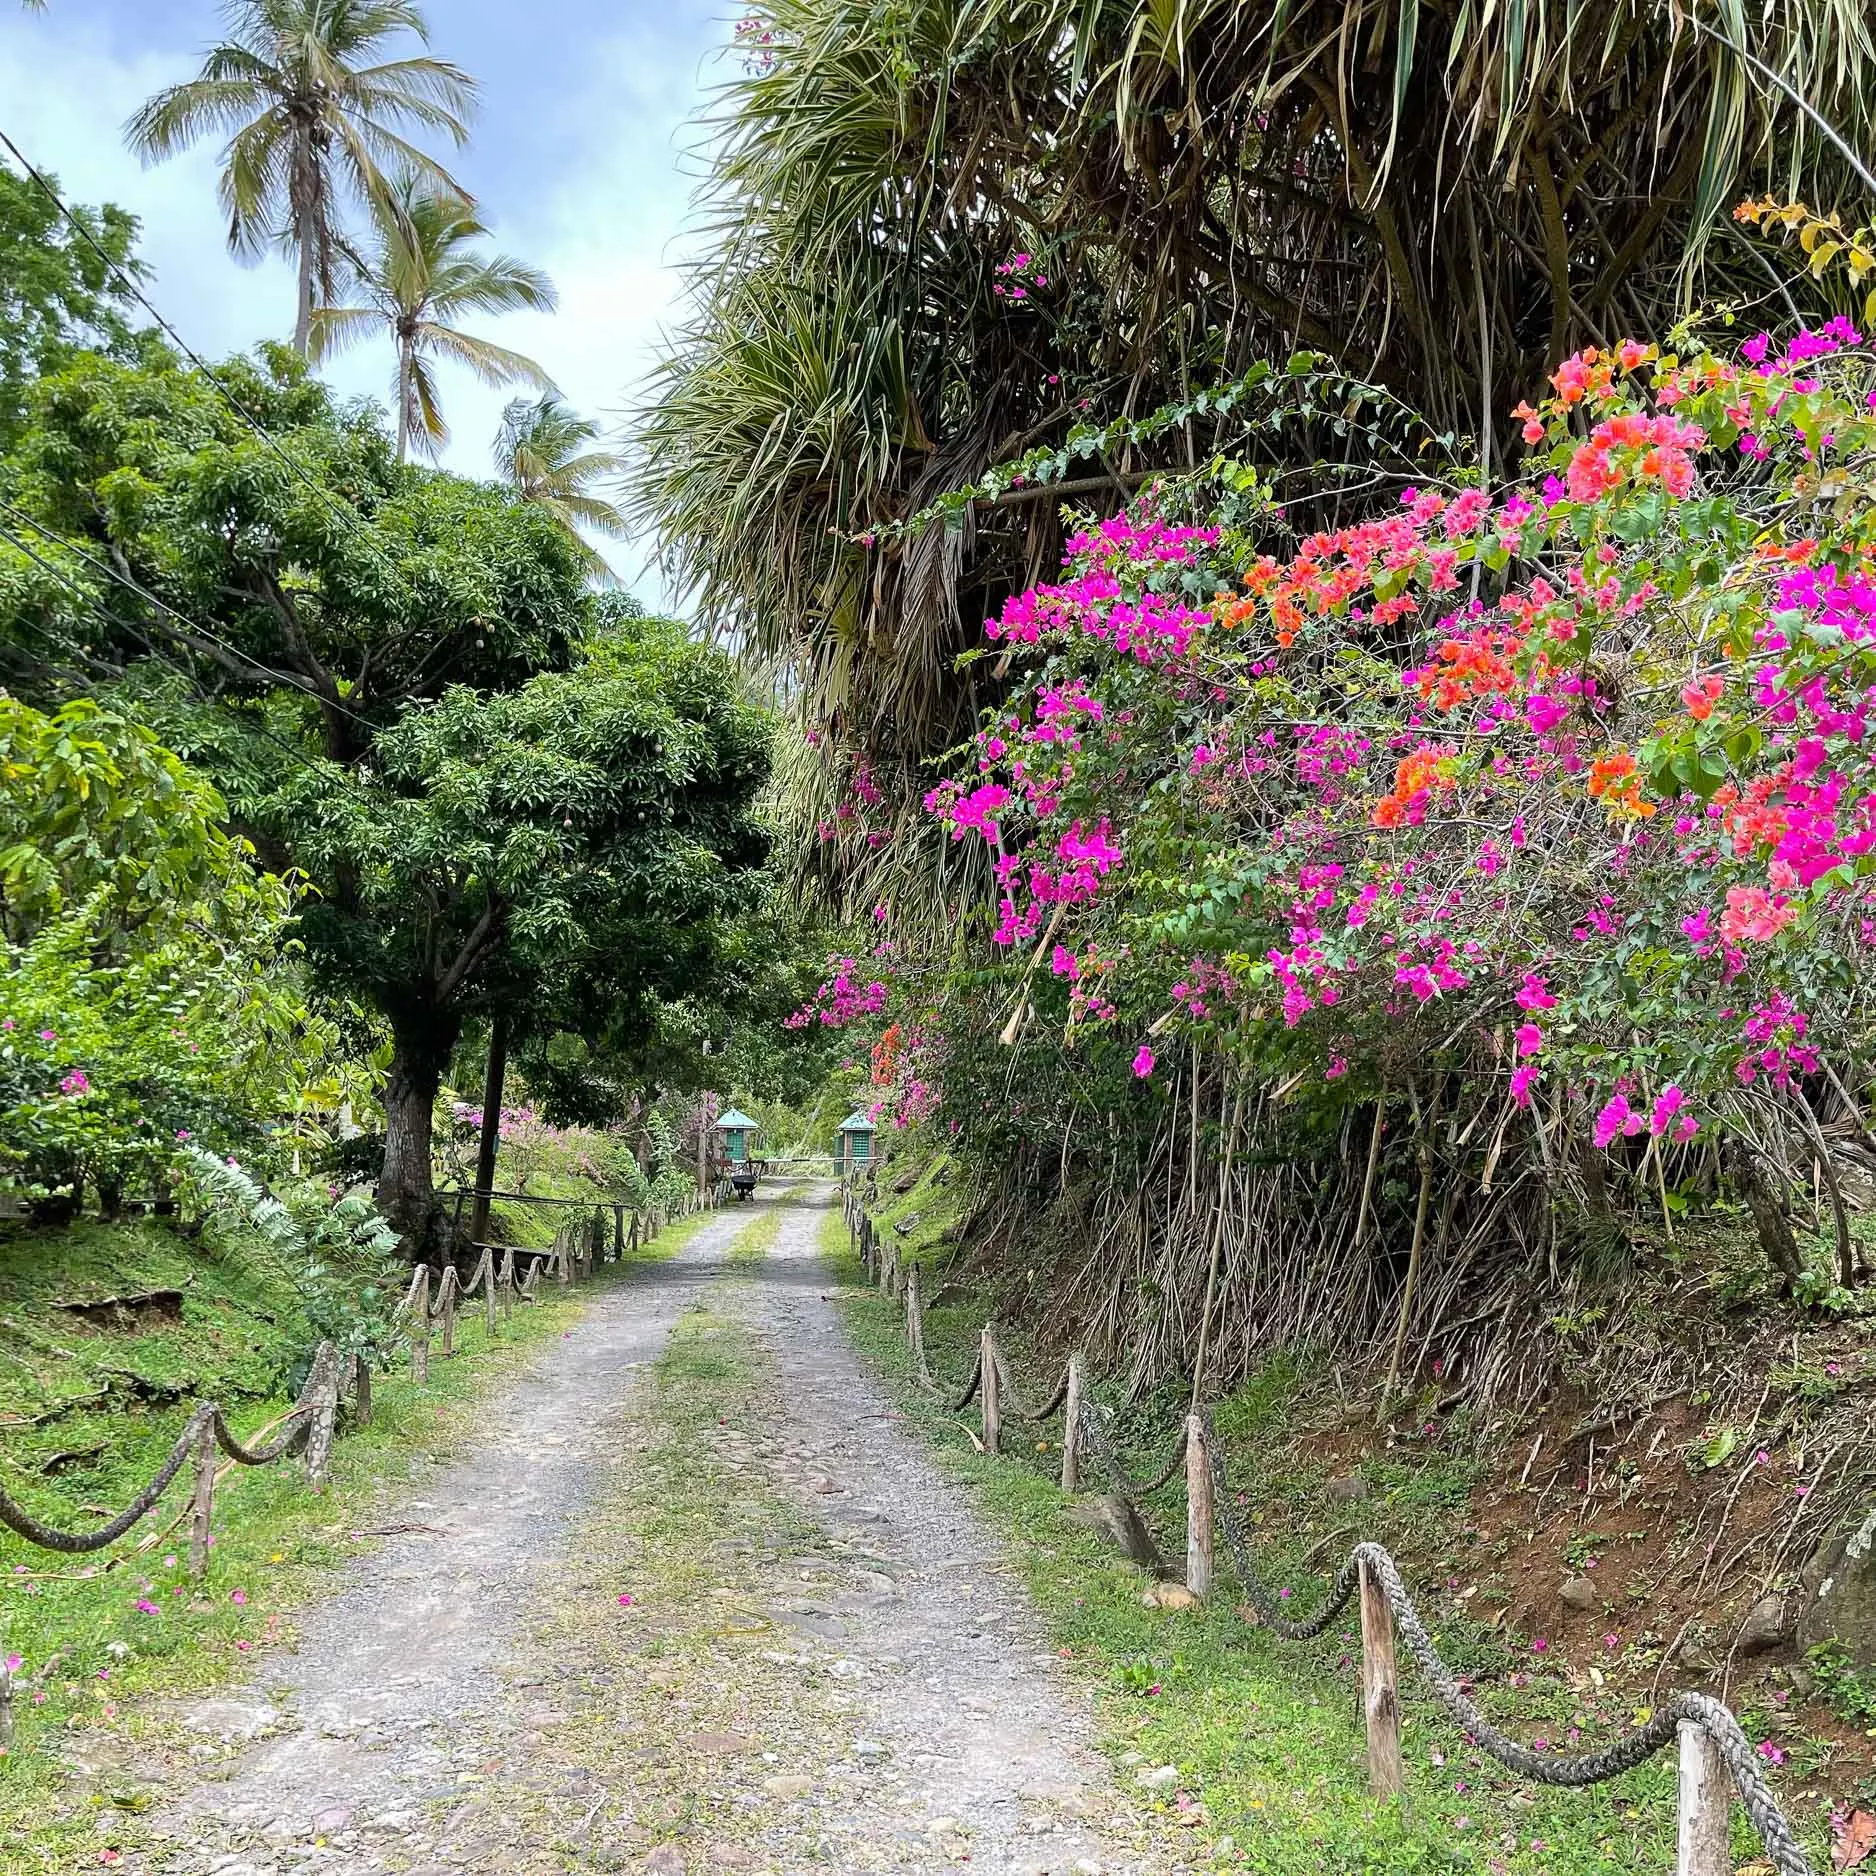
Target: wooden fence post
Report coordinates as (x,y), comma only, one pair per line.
(322,1387)
(915,1318)
(1071,1427)
(563,1265)
(1703,1838)
(420,1329)
(508,1283)
(618,1234)
(987,1387)
(202,1503)
(446,1307)
(1380,1689)
(361,1391)
(489,1306)
(1198,1509)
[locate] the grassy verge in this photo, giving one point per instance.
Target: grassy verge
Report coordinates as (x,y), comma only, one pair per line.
(1265,1736)
(94,1634)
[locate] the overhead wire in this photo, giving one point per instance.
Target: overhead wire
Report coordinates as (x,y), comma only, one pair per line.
(193,627)
(111,618)
(349,515)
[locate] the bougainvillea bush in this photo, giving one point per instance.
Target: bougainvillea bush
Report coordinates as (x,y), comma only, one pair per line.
(1542,811)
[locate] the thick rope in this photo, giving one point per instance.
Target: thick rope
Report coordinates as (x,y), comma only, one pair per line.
(1544,1768)
(75,1543)
(288,1443)
(1035,1415)
(1094,1431)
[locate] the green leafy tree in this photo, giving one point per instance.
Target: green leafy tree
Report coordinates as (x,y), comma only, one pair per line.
(541,453)
(315,585)
(564,850)
(146,998)
(420,276)
(58,292)
(313,114)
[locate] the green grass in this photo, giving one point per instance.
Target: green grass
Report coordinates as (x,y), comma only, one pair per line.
(89,1651)
(1266,1735)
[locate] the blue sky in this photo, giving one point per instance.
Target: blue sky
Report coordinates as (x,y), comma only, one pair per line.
(582,159)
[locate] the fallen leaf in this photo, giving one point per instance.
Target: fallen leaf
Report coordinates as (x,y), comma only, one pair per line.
(1854,1842)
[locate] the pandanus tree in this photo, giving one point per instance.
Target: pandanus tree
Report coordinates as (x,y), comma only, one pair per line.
(541,453)
(948,240)
(420,274)
(314,115)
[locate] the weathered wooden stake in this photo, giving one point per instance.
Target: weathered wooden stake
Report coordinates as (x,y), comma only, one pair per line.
(987,1388)
(618,1234)
(446,1308)
(1380,1689)
(202,1504)
(915,1318)
(1071,1427)
(1703,1838)
(322,1387)
(420,1329)
(1198,1510)
(361,1391)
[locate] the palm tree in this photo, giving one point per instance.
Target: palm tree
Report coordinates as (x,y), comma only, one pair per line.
(539,454)
(308,119)
(420,276)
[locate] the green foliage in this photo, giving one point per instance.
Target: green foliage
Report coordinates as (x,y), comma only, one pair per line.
(334,1251)
(954,230)
(57,291)
(91,802)
(146,1001)
(1848,1693)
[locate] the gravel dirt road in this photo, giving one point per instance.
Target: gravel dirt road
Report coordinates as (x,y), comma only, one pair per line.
(824,1663)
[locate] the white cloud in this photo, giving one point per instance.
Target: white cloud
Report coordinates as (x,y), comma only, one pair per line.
(605,225)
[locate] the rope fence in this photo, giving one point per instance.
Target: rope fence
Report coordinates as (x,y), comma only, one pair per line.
(1716,1759)
(428,1313)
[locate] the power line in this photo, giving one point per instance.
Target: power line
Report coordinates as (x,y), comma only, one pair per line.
(111,618)
(193,629)
(350,516)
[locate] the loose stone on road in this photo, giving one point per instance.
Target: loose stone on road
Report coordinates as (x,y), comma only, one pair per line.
(697,1602)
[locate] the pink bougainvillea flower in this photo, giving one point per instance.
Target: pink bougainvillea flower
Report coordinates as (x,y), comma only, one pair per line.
(1530,1039)
(145,1606)
(14,1663)
(239,1598)
(1143,1062)
(626,1599)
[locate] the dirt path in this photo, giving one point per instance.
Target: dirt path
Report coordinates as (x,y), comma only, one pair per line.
(823,1665)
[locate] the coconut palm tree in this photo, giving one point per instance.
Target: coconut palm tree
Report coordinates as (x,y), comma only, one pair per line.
(312,115)
(539,453)
(421,275)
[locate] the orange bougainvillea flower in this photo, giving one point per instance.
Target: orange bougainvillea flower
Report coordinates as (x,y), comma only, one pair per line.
(1614,779)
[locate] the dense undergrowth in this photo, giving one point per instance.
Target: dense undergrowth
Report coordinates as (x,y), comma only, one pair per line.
(1664,1521)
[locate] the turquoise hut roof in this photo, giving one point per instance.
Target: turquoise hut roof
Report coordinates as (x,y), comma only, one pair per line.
(735,1117)
(856,1122)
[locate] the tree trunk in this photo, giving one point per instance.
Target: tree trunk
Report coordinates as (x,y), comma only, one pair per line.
(1768,1217)
(303,308)
(492,1081)
(403,400)
(406,1191)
